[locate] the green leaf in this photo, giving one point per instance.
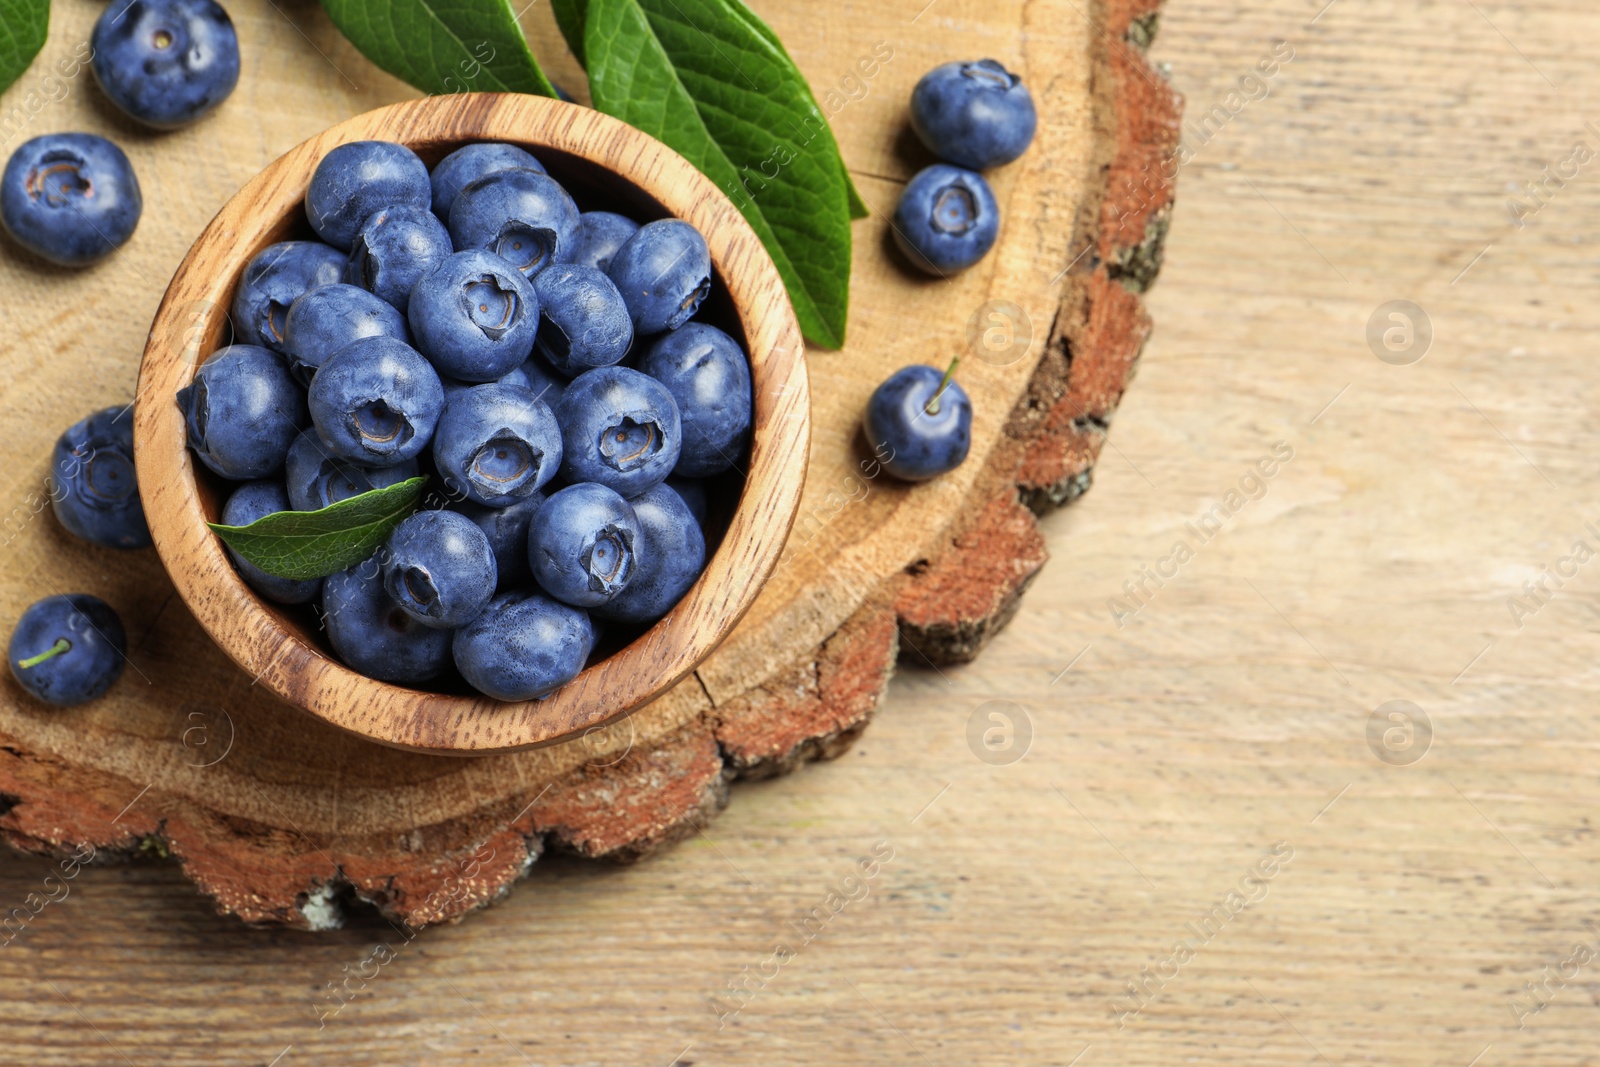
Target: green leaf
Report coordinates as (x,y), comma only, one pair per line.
(442,46)
(709,79)
(858,207)
(314,544)
(23,26)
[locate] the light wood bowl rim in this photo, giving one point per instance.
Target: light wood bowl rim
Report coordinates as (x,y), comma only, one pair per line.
(254,634)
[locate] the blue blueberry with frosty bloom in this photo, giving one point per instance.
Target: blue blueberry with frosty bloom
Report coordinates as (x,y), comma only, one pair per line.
(93,488)
(374,635)
(521,215)
(71,198)
(583,322)
(68,649)
(474,317)
(273,280)
(242,412)
(439,568)
(672,553)
(947,219)
(466,165)
(507,531)
(376,402)
(663,273)
(919,423)
(600,234)
(329,318)
(524,646)
(357,179)
(497,444)
(974,114)
(315,478)
(395,249)
(584,544)
(708,376)
(165,63)
(619,428)
(256,500)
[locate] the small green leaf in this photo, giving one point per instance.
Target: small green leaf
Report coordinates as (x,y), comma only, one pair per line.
(23,26)
(442,46)
(858,207)
(314,544)
(709,78)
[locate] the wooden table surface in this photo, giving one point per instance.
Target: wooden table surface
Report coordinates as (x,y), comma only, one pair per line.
(1214,847)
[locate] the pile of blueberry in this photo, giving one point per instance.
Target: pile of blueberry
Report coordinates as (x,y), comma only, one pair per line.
(973,116)
(538,363)
(72,198)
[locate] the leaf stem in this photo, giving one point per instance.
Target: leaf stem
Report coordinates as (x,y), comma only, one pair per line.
(932,406)
(61,645)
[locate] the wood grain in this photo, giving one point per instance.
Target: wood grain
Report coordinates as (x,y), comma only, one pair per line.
(293,817)
(607,164)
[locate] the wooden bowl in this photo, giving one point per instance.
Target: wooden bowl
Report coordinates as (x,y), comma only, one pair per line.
(603,163)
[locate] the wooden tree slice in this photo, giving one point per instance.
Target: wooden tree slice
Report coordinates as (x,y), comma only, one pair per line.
(283,819)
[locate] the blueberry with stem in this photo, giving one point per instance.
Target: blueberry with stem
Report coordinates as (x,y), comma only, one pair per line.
(68,649)
(919,422)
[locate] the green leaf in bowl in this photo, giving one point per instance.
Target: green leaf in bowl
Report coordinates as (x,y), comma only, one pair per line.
(710,79)
(23,26)
(315,544)
(442,46)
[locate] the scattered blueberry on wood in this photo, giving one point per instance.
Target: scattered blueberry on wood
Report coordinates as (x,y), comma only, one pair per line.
(165,63)
(71,198)
(975,114)
(93,489)
(68,649)
(919,423)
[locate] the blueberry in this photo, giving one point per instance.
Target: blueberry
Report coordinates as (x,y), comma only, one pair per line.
(583,322)
(976,115)
(93,489)
(249,502)
(474,316)
(373,635)
(543,380)
(330,317)
(583,545)
(376,402)
(497,444)
(466,165)
(356,179)
(439,568)
(916,437)
(316,478)
(693,493)
(523,216)
(523,647)
(663,273)
(507,531)
(242,412)
(273,281)
(600,234)
(70,197)
(947,219)
(394,249)
(68,649)
(165,62)
(619,428)
(708,376)
(672,553)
